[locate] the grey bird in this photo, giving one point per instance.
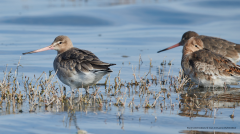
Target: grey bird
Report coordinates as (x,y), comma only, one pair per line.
(75,67)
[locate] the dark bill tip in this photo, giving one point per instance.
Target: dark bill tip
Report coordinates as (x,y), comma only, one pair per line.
(39,50)
(176,45)
(26,53)
(162,50)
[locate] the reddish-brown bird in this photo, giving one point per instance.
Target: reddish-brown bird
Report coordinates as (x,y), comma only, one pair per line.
(223,47)
(207,68)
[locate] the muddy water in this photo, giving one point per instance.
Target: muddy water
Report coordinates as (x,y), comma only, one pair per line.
(119,32)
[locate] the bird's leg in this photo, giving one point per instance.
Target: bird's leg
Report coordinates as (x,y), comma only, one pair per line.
(87,90)
(72,95)
(72,92)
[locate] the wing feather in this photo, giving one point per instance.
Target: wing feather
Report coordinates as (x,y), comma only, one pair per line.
(226,48)
(80,61)
(210,64)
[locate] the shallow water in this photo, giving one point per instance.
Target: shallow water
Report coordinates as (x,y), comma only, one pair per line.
(117,32)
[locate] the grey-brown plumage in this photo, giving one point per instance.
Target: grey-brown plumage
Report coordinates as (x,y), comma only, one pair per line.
(223,47)
(80,60)
(75,67)
(206,67)
(209,64)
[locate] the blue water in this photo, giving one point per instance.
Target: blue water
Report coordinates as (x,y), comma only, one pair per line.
(112,30)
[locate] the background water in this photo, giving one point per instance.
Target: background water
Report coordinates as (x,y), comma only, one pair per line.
(117,31)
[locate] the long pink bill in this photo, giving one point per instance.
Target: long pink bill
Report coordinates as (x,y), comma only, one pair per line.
(176,45)
(40,50)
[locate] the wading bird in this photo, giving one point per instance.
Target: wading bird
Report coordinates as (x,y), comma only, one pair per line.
(75,67)
(223,47)
(207,68)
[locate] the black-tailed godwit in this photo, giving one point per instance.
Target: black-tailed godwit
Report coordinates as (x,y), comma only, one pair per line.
(223,47)
(75,67)
(207,68)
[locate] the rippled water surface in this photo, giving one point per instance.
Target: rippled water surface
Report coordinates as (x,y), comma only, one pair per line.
(119,31)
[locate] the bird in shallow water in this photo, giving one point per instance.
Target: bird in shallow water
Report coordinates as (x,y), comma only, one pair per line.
(207,68)
(226,48)
(75,67)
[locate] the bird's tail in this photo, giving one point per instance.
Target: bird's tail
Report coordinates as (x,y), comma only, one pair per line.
(112,64)
(235,70)
(237,48)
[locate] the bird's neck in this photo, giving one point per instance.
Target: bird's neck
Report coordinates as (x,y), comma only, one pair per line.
(62,50)
(187,51)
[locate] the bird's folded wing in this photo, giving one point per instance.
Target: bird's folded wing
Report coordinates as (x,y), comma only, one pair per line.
(221,46)
(81,61)
(211,63)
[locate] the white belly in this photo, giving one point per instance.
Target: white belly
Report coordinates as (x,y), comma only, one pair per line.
(217,81)
(81,80)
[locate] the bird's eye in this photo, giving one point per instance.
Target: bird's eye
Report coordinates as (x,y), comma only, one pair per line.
(60,42)
(183,38)
(196,46)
